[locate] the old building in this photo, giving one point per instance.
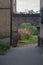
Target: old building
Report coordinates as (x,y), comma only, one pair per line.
(41,24)
(5,17)
(14,6)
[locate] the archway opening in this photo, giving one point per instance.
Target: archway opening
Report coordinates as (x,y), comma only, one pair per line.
(27,34)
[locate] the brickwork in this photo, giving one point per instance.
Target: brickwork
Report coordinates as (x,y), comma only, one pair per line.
(4,21)
(5,17)
(14,6)
(17,20)
(4,3)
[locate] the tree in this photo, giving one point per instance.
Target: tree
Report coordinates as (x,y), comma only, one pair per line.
(29,27)
(31,12)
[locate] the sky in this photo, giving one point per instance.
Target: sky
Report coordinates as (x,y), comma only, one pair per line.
(23,5)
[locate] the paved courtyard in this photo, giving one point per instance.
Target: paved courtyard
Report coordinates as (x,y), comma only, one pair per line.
(28,55)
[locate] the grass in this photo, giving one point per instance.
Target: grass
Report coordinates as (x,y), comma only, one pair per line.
(3,48)
(32,40)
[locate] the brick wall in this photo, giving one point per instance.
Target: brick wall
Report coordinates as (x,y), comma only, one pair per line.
(4,3)
(5,17)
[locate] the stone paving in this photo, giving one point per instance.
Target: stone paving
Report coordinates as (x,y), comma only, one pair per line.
(28,55)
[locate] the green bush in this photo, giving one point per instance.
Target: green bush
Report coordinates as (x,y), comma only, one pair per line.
(3,47)
(33,39)
(19,36)
(26,36)
(29,27)
(23,36)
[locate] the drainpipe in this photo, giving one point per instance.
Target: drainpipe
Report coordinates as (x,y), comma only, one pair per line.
(10,22)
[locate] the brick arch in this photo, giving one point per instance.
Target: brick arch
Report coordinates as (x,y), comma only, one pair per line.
(34,19)
(18,19)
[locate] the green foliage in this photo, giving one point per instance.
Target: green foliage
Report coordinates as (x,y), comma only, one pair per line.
(3,47)
(28,26)
(32,38)
(34,30)
(25,26)
(19,36)
(23,36)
